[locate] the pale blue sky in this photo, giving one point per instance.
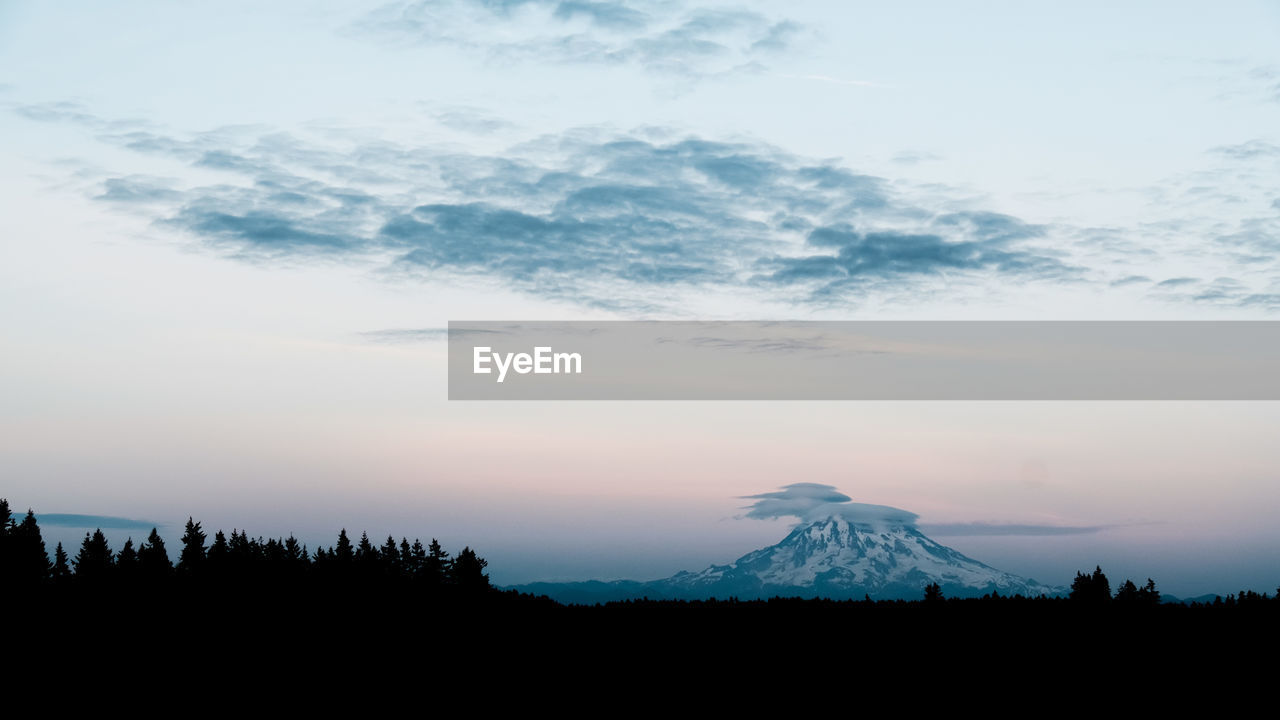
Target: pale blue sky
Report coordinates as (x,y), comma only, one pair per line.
(211,212)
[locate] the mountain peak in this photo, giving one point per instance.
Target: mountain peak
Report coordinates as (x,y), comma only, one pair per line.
(860,553)
(841,551)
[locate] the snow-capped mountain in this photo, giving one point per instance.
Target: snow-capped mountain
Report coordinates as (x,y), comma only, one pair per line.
(835,557)
(838,558)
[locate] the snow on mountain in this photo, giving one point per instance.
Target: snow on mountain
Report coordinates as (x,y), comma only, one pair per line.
(837,557)
(845,555)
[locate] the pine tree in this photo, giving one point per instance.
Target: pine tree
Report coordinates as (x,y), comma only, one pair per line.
(1148,594)
(366,554)
(342,552)
(933,593)
(1093,589)
(435,568)
(153,558)
(127,562)
(239,551)
(1101,587)
(407,567)
(95,559)
(61,568)
(295,555)
(27,555)
(6,533)
(467,570)
(417,559)
(389,557)
(1127,593)
(218,559)
(192,559)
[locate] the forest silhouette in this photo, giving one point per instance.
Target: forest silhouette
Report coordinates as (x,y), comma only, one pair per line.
(231,578)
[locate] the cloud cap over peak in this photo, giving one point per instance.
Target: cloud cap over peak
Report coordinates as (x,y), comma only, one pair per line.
(815,501)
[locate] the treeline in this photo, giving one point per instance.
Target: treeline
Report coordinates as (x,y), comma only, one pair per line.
(239,561)
(24,561)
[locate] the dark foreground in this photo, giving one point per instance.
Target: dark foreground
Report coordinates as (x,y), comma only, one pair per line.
(241,613)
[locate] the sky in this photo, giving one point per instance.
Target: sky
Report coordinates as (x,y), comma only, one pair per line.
(232,233)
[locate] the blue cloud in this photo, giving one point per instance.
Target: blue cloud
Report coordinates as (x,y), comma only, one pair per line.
(667,37)
(648,214)
(999,529)
(986,241)
(106,522)
(605,14)
(606,220)
(1250,150)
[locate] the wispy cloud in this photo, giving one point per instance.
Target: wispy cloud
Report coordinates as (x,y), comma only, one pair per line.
(633,221)
(615,220)
(982,528)
(683,38)
(404,336)
(816,501)
(106,522)
(1249,150)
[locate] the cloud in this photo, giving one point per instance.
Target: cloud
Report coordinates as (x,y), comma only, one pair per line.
(624,221)
(614,15)
(1131,280)
(642,221)
(1177,282)
(106,522)
(686,39)
(471,120)
(960,242)
(138,189)
(912,157)
(1250,150)
(810,502)
(982,528)
(406,336)
(815,501)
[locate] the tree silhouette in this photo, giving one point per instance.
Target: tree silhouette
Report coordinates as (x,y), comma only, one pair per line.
(435,568)
(1127,593)
(1130,594)
(366,556)
(389,558)
(153,559)
(343,555)
(218,559)
(1148,594)
(933,593)
(1092,589)
(29,561)
(417,564)
(192,559)
(407,564)
(6,535)
(126,567)
(294,556)
(467,570)
(94,561)
(61,572)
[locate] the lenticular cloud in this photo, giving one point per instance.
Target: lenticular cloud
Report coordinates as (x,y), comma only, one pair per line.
(815,501)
